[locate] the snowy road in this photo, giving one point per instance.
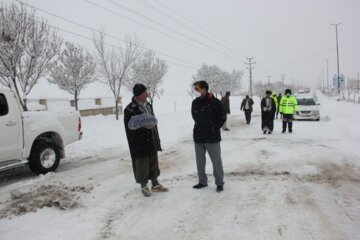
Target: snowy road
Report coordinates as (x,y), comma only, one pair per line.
(299,186)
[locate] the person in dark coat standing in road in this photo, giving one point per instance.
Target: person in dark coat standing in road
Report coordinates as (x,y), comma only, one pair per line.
(268,110)
(225,101)
(209,116)
(247,107)
(144,142)
(278,107)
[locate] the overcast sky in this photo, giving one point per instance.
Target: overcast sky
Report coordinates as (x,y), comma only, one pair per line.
(293,37)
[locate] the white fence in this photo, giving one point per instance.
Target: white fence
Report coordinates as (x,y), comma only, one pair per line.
(63,104)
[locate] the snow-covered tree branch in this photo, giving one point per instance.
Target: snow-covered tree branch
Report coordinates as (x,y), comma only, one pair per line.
(27,46)
(219,80)
(73,70)
(114,64)
(149,71)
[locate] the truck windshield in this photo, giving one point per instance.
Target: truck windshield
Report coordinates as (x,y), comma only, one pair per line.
(306,101)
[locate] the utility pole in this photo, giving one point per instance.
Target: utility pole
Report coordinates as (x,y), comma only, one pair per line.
(337,54)
(268,77)
(250,67)
(327,75)
(283,81)
(358,82)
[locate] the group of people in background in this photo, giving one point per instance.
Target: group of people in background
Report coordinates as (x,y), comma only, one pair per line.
(210,116)
(272,105)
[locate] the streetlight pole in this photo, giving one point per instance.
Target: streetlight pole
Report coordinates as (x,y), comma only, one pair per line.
(337,54)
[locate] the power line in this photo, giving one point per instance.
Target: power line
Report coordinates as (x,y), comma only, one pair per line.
(169,28)
(109,35)
(111,45)
(108,44)
(140,23)
(189,21)
(208,32)
(205,30)
(145,25)
(115,37)
(161,12)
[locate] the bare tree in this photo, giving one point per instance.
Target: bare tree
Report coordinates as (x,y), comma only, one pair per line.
(235,80)
(114,65)
(27,46)
(73,70)
(219,80)
(211,74)
(260,88)
(149,71)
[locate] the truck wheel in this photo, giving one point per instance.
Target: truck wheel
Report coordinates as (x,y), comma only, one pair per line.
(44,157)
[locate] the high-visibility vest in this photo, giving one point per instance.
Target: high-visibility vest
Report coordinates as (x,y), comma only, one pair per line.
(288,105)
(275,100)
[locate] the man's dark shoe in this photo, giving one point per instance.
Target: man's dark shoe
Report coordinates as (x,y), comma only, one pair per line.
(290,131)
(220,188)
(283,131)
(199,185)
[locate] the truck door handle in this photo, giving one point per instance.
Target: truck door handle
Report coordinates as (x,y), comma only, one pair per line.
(11,123)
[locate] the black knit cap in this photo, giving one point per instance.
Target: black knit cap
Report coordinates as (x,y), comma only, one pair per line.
(268,92)
(139,89)
(287,91)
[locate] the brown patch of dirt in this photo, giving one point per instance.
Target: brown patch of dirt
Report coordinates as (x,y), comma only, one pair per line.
(60,196)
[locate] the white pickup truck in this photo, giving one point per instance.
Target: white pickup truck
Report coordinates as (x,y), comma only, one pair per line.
(34,138)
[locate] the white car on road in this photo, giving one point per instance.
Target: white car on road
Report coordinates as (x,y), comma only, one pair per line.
(36,138)
(308,107)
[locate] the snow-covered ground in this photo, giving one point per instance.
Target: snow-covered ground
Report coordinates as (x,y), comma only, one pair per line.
(300,186)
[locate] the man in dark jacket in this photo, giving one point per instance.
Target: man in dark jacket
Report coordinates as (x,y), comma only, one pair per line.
(278,108)
(144,142)
(247,107)
(268,110)
(225,101)
(209,116)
